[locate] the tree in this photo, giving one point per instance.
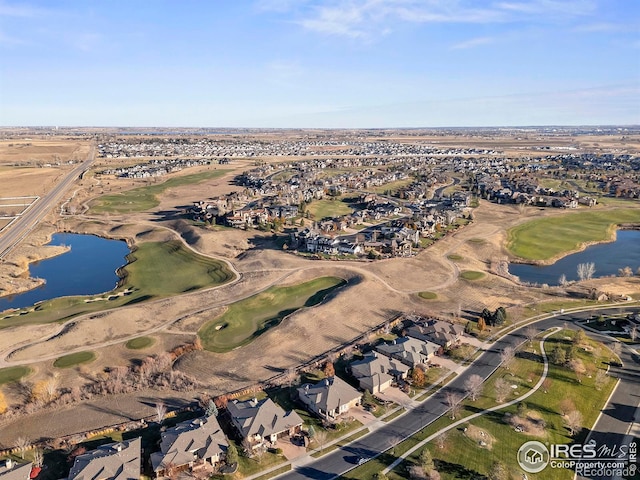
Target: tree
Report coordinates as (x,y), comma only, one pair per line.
(578,368)
(546,385)
(232,454)
(473,386)
(426,460)
(586,270)
(468,328)
(566,406)
(329,370)
(453,402)
(3,403)
(579,338)
(601,379)
(161,411)
(441,439)
(321,438)
(498,471)
(380,476)
(625,272)
(573,421)
(562,281)
(38,458)
(558,355)
(616,348)
(482,324)
(506,356)
(418,377)
(212,410)
(502,389)
(22,443)
(633,333)
(367,399)
(499,316)
(530,333)
(416,472)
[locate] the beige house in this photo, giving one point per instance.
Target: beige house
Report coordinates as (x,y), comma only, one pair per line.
(263,420)
(114,461)
(11,470)
(376,372)
(329,398)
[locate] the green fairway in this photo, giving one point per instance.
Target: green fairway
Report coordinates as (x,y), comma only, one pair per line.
(74,359)
(471,275)
(546,238)
(245,320)
(455,257)
(428,295)
(156,270)
(139,343)
(13,374)
(328,208)
(144,198)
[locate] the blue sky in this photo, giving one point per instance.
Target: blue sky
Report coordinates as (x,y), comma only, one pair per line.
(321,63)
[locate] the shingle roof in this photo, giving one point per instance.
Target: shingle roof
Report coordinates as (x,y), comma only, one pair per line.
(16,472)
(262,417)
(182,444)
(408,350)
(117,461)
(330,393)
(374,363)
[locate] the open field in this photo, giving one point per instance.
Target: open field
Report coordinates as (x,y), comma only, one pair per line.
(157,269)
(320,209)
(249,318)
(548,238)
(145,198)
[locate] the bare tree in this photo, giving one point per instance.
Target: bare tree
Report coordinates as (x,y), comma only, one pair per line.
(320,437)
(473,386)
(161,411)
(291,376)
(586,270)
(578,368)
(38,458)
(453,402)
(562,281)
(530,333)
(616,348)
(506,356)
(601,379)
(392,441)
(573,421)
(625,272)
(633,333)
(441,439)
(416,472)
(22,443)
(502,389)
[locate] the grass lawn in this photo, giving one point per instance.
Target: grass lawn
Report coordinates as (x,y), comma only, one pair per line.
(428,295)
(13,374)
(455,257)
(546,238)
(328,208)
(245,320)
(471,275)
(74,359)
(157,269)
(390,187)
(144,198)
(140,343)
(463,457)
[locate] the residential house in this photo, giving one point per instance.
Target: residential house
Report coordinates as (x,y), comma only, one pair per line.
(262,420)
(408,350)
(376,372)
(190,445)
(15,471)
(329,398)
(113,461)
(441,333)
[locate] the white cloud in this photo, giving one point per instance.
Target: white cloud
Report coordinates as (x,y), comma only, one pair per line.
(472,43)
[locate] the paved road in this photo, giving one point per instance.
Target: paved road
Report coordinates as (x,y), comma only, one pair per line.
(341,461)
(27,222)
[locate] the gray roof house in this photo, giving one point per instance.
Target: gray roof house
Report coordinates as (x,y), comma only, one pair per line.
(262,420)
(114,461)
(11,470)
(189,445)
(330,397)
(375,372)
(408,350)
(437,331)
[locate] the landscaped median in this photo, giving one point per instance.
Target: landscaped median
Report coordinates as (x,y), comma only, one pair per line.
(245,320)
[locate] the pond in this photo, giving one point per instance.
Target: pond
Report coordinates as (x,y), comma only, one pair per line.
(607,257)
(89,268)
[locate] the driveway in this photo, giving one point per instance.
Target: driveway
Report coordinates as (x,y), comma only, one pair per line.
(361,415)
(395,395)
(289,449)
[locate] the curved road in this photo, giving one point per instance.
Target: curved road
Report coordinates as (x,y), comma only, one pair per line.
(27,222)
(340,461)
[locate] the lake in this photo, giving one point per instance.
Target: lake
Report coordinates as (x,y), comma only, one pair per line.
(89,268)
(607,257)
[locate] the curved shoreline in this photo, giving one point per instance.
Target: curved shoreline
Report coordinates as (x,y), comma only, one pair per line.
(583,246)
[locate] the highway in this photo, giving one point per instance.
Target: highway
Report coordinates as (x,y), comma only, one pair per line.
(28,221)
(339,462)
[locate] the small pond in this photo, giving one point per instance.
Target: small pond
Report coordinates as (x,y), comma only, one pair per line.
(89,268)
(607,257)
